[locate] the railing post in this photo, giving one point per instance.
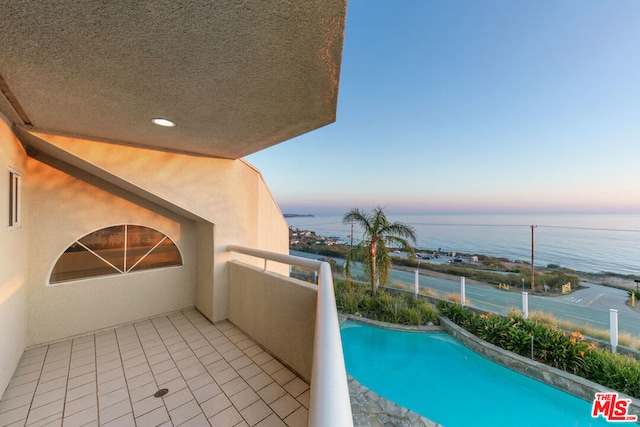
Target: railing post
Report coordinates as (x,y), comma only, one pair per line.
(328,362)
(462,291)
(525,305)
(329,395)
(613,328)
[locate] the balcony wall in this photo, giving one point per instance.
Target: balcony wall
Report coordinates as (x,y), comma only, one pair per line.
(277,311)
(71,187)
(13,260)
(227,199)
(67,205)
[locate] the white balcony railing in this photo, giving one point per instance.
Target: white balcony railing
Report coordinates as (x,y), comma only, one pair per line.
(329,405)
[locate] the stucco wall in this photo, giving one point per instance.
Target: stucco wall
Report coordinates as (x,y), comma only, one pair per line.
(13,260)
(67,205)
(277,311)
(230,194)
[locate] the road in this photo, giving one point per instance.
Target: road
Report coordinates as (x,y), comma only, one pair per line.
(588,306)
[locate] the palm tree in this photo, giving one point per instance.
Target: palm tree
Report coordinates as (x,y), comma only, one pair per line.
(378,235)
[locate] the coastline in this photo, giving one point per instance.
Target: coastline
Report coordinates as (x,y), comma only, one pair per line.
(310,242)
(590,243)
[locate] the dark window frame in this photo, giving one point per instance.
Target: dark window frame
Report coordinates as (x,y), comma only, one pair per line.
(14,199)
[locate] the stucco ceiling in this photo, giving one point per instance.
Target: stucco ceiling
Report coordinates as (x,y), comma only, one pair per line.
(235,76)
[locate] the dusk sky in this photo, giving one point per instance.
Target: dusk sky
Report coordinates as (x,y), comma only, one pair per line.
(468,106)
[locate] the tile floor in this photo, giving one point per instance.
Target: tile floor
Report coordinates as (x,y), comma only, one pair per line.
(216,375)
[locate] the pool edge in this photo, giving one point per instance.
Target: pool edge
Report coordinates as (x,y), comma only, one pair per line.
(565,381)
(367,406)
(569,383)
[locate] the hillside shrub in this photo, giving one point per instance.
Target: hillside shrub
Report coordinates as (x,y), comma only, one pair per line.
(355,298)
(570,352)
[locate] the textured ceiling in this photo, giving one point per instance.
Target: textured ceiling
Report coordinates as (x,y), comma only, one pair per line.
(235,76)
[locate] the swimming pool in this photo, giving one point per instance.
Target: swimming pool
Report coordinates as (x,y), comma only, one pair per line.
(441,379)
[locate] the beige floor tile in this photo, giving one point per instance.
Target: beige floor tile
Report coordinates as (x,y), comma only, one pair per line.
(305,398)
(198,381)
(89,377)
(215,405)
(81,404)
(146,405)
(166,376)
(153,418)
(14,403)
(45,411)
(234,386)
(207,392)
(185,412)
(225,376)
(115,384)
(215,375)
(19,390)
(14,415)
(178,398)
(256,412)
(142,392)
(198,421)
(227,417)
(283,376)
(240,362)
(174,385)
(25,378)
(112,398)
(272,366)
(82,369)
(253,350)
(271,421)
(115,411)
(81,391)
(250,371)
(259,381)
(272,392)
(296,387)
(244,398)
(124,421)
(51,421)
(86,417)
(285,405)
(299,418)
(262,358)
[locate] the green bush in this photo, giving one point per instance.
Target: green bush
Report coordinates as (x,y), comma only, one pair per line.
(569,352)
(617,371)
(355,298)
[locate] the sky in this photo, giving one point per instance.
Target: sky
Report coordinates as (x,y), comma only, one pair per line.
(465,106)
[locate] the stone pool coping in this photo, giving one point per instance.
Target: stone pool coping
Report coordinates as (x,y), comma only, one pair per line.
(572,384)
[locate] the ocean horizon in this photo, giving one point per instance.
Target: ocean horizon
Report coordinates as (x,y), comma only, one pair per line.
(584,242)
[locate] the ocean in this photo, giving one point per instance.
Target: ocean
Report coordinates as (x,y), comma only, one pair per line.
(585,242)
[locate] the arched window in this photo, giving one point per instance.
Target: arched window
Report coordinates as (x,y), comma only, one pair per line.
(120,249)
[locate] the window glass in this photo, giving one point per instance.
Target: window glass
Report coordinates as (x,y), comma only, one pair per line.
(107,244)
(78,262)
(164,255)
(140,242)
(116,250)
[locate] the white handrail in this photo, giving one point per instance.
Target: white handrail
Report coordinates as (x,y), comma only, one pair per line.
(330,405)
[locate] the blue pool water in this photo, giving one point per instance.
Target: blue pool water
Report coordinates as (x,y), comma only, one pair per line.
(441,379)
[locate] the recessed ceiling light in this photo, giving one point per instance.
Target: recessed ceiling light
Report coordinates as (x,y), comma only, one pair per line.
(164,122)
